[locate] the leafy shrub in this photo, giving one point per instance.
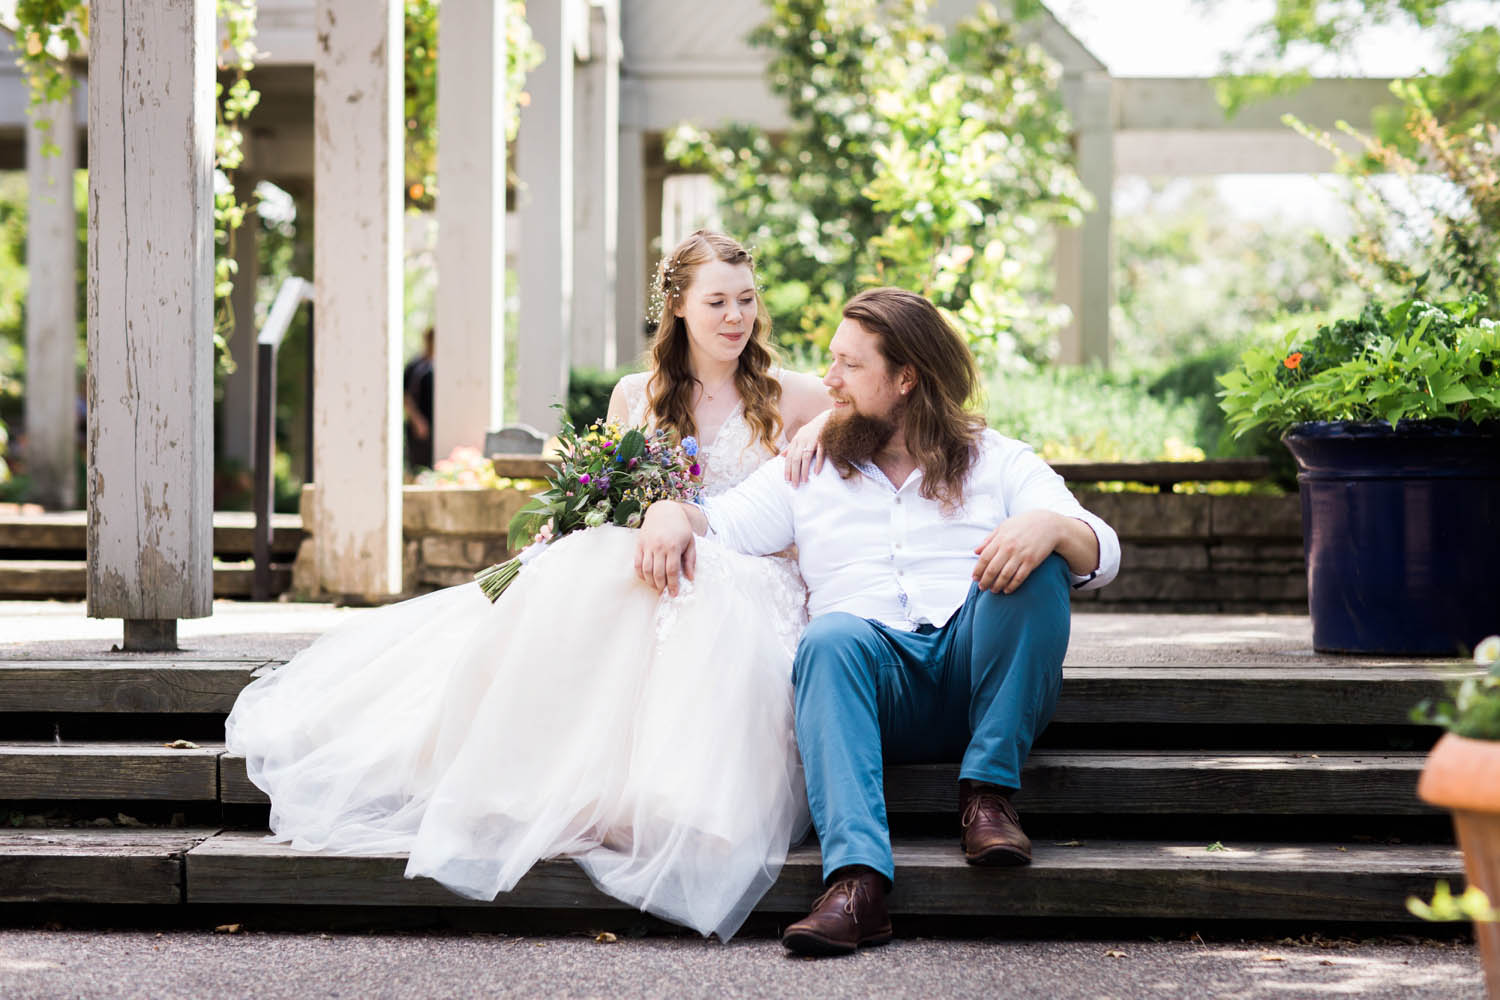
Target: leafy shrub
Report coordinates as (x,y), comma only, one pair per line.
(588,393)
(1086,414)
(1417,360)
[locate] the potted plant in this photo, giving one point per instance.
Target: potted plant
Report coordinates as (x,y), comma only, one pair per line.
(1394,420)
(1463,775)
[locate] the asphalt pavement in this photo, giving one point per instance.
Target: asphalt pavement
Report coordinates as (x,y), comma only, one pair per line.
(147,965)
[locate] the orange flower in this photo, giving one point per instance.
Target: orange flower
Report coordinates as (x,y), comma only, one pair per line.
(1293,360)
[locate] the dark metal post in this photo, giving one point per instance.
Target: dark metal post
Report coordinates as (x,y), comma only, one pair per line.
(265,473)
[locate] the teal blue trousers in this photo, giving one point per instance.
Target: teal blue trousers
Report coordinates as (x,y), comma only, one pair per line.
(979,690)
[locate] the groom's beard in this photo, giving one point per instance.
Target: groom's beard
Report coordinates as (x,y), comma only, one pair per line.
(856,438)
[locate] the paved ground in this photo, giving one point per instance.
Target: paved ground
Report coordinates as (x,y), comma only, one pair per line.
(142,964)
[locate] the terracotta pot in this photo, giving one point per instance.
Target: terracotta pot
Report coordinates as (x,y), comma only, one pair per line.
(1463,775)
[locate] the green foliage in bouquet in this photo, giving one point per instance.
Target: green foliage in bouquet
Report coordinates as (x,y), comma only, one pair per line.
(609,474)
(1418,360)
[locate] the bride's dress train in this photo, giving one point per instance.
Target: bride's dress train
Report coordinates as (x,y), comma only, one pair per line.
(647,737)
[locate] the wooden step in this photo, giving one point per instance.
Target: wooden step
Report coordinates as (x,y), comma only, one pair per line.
(134,685)
(1119,879)
(95,865)
(1135,783)
(234,532)
(129,771)
(1319,694)
(67,578)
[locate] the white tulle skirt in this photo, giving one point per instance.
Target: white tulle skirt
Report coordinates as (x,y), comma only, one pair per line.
(583,715)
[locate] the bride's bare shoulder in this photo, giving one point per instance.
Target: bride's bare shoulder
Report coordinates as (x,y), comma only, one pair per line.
(627,397)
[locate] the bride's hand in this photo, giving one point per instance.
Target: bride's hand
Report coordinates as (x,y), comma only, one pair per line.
(665,548)
(804,452)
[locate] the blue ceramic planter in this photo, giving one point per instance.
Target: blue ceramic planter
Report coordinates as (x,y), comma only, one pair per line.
(1401,528)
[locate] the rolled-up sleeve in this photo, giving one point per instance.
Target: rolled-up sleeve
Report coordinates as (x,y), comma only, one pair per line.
(1031,484)
(756,516)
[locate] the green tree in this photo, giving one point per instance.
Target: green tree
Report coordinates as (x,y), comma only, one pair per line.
(936,162)
(1279,56)
(522,54)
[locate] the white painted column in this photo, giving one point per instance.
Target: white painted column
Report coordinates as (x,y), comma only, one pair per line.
(51,313)
(544,157)
(633,266)
(1084,254)
(358,100)
(469,354)
(150,312)
(237,409)
(597,191)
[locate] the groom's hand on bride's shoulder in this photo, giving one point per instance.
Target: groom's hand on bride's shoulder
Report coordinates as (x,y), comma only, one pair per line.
(665,550)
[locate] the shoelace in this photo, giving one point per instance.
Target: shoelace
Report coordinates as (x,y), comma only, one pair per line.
(981,799)
(852,887)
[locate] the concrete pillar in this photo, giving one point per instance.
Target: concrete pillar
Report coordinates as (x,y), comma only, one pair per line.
(237,409)
(469,354)
(51,313)
(1084,255)
(358,99)
(596,197)
(150,314)
(634,261)
(544,155)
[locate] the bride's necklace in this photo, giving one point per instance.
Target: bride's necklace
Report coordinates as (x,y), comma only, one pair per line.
(721,387)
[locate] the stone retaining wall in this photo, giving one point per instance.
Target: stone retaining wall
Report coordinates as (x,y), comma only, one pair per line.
(1181,553)
(1192,552)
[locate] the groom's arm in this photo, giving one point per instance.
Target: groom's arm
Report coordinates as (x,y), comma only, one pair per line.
(754,518)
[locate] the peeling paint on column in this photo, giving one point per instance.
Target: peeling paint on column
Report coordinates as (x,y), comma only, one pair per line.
(150,309)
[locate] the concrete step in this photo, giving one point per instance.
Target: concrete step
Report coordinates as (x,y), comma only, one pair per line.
(1322,692)
(1173,782)
(1110,879)
(67,531)
(67,579)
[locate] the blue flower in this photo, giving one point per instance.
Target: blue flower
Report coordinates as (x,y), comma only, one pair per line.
(690,446)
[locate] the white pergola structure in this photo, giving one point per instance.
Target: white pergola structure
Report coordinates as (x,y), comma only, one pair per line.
(618,74)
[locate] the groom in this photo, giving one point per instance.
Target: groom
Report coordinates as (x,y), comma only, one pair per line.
(938,557)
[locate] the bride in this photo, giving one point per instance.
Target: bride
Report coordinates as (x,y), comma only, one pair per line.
(646,736)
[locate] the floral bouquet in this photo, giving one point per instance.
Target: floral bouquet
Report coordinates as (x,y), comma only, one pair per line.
(606,475)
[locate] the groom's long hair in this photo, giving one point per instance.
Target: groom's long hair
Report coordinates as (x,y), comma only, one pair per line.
(941,432)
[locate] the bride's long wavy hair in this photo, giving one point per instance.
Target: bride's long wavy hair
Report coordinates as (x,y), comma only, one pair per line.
(941,432)
(670,388)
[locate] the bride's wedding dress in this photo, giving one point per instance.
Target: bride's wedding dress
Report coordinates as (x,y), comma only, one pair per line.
(582,714)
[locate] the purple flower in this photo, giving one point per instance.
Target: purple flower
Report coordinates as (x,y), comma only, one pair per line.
(584,479)
(695,469)
(603,483)
(632,463)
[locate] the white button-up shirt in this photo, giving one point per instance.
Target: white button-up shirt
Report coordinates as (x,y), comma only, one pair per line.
(877,551)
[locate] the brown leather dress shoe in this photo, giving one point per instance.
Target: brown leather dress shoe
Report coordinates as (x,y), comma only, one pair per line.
(850,914)
(992,833)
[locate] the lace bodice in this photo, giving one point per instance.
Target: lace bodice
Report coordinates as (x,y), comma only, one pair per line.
(728,459)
